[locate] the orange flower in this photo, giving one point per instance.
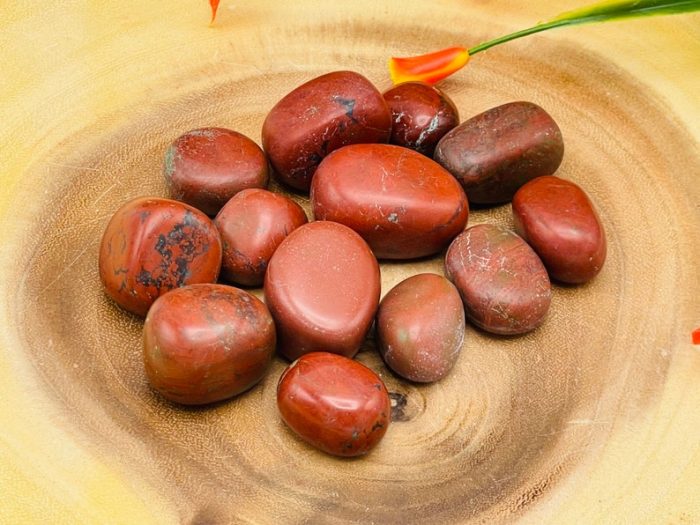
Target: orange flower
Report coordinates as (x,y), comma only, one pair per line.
(214,6)
(428,68)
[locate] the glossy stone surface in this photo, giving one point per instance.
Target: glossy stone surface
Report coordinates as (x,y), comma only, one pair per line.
(151,246)
(318,117)
(496,152)
(322,287)
(334,403)
(503,283)
(206,167)
(207,342)
(556,217)
(420,327)
(421,115)
(252,225)
(401,202)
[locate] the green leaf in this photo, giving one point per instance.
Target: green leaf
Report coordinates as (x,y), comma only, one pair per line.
(600,12)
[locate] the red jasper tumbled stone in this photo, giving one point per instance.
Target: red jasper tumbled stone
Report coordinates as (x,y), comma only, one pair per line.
(153,245)
(207,342)
(402,203)
(334,403)
(252,225)
(206,167)
(322,288)
(504,285)
(421,114)
(322,115)
(494,153)
(420,327)
(556,217)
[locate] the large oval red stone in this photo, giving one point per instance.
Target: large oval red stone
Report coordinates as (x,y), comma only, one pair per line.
(320,116)
(503,283)
(402,203)
(334,403)
(322,287)
(558,220)
(207,342)
(153,245)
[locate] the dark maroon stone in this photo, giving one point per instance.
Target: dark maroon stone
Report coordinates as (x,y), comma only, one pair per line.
(496,152)
(421,114)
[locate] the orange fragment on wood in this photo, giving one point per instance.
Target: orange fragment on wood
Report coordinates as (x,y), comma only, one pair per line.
(214,6)
(429,68)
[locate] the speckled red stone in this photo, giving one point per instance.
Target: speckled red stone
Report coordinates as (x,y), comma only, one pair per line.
(558,220)
(318,117)
(334,403)
(151,246)
(499,150)
(206,167)
(420,327)
(503,283)
(421,115)
(252,225)
(322,288)
(401,202)
(207,342)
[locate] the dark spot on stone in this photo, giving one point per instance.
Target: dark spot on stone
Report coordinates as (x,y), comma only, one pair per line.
(162,246)
(377,386)
(348,105)
(376,426)
(181,270)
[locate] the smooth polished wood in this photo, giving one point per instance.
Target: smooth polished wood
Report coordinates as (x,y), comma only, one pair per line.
(593,418)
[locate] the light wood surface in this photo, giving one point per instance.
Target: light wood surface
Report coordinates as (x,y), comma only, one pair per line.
(594,418)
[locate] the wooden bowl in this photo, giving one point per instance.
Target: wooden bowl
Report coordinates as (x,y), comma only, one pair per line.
(593,418)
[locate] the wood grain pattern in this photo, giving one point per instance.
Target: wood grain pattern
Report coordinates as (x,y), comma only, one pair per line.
(591,419)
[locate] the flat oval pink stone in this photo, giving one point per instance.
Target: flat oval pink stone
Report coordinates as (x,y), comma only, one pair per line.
(322,287)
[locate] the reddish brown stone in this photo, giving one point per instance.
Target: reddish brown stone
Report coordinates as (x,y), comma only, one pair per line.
(206,167)
(496,152)
(334,403)
(559,221)
(401,202)
(252,225)
(322,288)
(153,245)
(320,116)
(503,284)
(207,342)
(420,327)
(421,115)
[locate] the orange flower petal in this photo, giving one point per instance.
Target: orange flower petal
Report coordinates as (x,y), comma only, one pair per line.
(696,336)
(429,68)
(214,6)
